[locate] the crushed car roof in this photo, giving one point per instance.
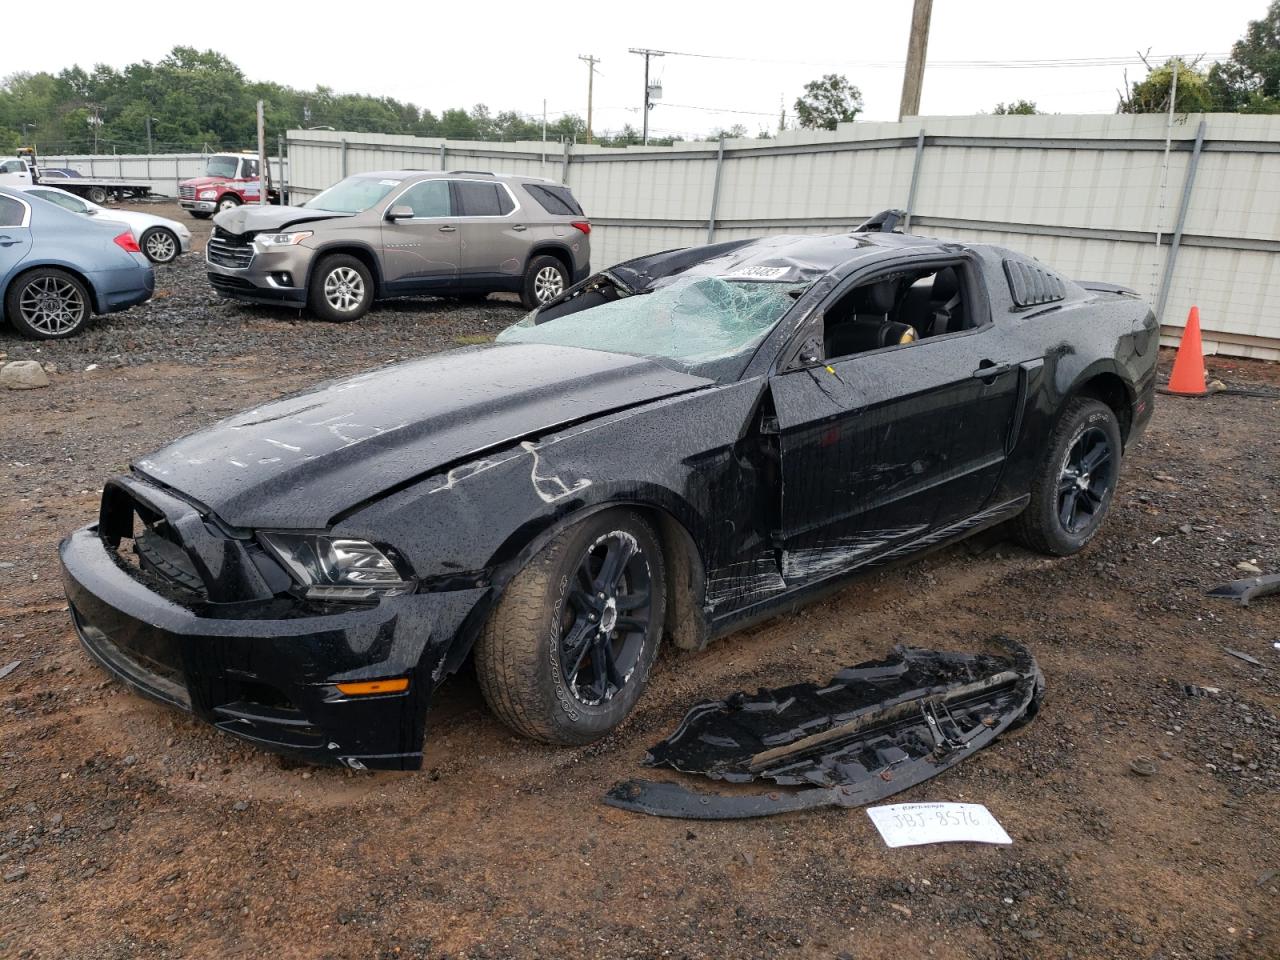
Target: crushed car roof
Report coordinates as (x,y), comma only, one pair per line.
(786,258)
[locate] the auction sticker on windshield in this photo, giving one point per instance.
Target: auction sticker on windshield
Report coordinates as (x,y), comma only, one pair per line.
(911,824)
(759,273)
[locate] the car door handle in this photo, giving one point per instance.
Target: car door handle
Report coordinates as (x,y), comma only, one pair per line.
(991,370)
(518,226)
(6,241)
(447,229)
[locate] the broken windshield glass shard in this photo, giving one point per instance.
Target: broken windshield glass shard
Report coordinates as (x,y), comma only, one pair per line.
(874,730)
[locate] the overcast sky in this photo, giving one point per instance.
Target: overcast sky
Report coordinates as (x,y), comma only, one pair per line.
(513,55)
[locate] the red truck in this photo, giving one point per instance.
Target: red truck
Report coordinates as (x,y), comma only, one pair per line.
(230,179)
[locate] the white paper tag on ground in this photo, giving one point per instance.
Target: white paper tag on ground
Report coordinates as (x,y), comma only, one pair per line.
(911,824)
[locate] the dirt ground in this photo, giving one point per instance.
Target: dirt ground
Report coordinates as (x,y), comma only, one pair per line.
(127,830)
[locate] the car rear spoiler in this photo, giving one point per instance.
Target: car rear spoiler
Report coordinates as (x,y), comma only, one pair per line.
(1102,286)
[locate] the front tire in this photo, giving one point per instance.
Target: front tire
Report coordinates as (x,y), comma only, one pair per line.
(1076,481)
(160,245)
(567,652)
(228,202)
(544,279)
(48,304)
(341,289)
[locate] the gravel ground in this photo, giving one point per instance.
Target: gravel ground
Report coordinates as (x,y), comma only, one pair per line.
(127,830)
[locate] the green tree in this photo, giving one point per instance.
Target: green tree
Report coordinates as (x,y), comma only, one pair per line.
(1152,93)
(1249,80)
(827,102)
(1021,108)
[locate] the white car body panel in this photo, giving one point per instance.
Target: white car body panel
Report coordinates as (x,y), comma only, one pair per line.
(137,221)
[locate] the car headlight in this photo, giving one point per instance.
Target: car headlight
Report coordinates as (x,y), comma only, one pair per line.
(337,568)
(281,239)
(208,194)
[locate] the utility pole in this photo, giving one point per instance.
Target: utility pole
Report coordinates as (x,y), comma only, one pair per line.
(262,157)
(149,150)
(648,90)
(590,60)
(544,131)
(917,48)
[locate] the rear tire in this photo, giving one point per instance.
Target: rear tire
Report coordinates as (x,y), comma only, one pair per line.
(160,245)
(198,215)
(341,289)
(1075,482)
(97,195)
(48,304)
(546,665)
(544,279)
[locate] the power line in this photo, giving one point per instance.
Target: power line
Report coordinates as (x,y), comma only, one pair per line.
(1112,61)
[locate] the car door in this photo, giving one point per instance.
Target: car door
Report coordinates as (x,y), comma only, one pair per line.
(420,253)
(494,232)
(885,447)
(15,236)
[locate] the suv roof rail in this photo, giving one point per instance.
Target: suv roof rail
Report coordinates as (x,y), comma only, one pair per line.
(485,173)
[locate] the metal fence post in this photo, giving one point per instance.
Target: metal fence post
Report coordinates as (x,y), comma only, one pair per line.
(1172,257)
(344,158)
(564,169)
(442,166)
(715,192)
(915,181)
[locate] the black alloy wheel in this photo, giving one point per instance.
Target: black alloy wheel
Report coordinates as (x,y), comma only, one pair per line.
(565,654)
(1086,480)
(1075,482)
(605,624)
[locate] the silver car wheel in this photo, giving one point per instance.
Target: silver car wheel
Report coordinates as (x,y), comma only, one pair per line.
(548,283)
(51,305)
(161,247)
(344,289)
(226,203)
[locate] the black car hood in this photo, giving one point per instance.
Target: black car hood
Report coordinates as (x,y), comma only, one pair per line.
(299,462)
(254,218)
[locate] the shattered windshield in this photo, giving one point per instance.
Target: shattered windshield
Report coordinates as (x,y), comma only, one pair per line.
(352,195)
(692,323)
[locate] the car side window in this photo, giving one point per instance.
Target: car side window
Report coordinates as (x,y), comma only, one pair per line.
(430,198)
(480,198)
(11,212)
(62,200)
(900,308)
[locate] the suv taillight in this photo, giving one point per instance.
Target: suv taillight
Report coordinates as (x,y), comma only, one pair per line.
(581,225)
(126,243)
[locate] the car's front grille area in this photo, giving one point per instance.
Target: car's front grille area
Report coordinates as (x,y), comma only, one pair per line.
(167,559)
(186,193)
(230,249)
(225,284)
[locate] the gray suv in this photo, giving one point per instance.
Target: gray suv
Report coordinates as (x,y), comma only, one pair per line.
(403,233)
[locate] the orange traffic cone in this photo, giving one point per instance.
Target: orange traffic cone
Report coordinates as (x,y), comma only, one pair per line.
(1188,366)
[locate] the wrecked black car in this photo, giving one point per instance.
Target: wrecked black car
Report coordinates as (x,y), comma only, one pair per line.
(673,447)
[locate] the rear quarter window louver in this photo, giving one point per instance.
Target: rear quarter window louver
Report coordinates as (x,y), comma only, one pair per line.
(1030,285)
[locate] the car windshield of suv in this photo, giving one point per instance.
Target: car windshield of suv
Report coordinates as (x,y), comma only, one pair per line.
(709,325)
(221,167)
(352,195)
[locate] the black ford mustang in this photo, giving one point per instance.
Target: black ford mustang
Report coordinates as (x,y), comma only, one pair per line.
(675,446)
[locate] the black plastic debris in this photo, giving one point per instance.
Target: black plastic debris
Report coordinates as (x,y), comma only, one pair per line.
(1250,588)
(874,730)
